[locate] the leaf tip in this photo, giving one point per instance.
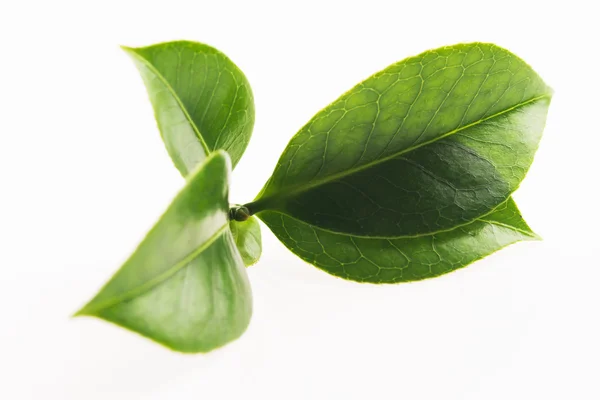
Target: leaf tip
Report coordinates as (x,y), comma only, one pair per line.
(535,237)
(131,51)
(79,313)
(83,312)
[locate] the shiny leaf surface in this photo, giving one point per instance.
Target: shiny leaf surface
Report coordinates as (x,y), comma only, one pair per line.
(247,238)
(405,259)
(428,144)
(185,286)
(202,101)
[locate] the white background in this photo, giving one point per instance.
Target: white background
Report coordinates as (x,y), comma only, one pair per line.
(84,175)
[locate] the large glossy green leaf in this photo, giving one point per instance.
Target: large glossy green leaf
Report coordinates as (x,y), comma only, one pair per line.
(405,259)
(185,286)
(430,143)
(202,101)
(247,237)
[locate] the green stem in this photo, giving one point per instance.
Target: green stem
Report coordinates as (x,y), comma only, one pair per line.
(256,206)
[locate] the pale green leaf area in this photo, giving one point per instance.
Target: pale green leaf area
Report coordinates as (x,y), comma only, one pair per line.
(202,101)
(247,238)
(400,260)
(185,286)
(428,144)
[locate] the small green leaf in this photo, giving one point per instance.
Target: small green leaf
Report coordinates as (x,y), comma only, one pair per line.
(405,259)
(428,144)
(185,286)
(247,238)
(202,101)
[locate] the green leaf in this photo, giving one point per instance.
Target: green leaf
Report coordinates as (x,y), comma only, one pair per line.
(202,101)
(428,144)
(405,259)
(185,286)
(247,238)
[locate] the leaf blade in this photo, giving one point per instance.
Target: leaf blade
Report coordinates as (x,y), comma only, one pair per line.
(185,286)
(405,259)
(201,99)
(329,178)
(175,322)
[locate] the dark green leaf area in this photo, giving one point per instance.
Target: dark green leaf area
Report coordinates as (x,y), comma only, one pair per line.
(428,144)
(400,260)
(185,286)
(202,101)
(248,239)
(433,188)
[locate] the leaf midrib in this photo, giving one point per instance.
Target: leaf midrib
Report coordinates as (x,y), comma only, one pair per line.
(261,204)
(162,79)
(148,285)
(532,235)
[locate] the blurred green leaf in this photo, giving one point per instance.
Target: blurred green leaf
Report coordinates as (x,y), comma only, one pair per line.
(185,286)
